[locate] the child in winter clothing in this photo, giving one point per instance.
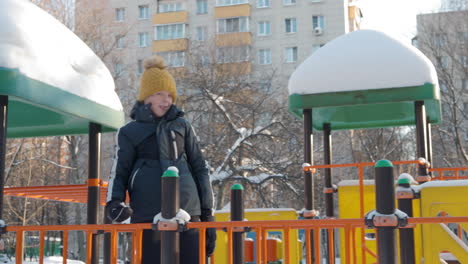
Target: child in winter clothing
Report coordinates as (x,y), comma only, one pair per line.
(159,137)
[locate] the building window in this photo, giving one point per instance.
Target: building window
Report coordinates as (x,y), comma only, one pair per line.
(290,54)
(232,54)
(264,28)
(143,12)
(443,86)
(263,3)
(143,39)
(442,61)
(120,42)
(465,84)
(315,47)
(463,37)
(264,56)
(231,2)
(172,31)
(118,69)
(464,61)
(120,14)
(291,25)
(170,7)
(230,25)
(174,58)
(289,2)
(439,40)
(201,33)
(318,22)
(140,68)
(202,6)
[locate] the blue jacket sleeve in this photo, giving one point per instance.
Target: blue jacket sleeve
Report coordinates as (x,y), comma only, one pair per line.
(198,167)
(124,159)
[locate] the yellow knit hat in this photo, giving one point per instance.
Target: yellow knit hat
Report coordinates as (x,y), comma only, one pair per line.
(156,78)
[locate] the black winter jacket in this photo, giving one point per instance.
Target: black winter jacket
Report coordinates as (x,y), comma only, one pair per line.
(146,147)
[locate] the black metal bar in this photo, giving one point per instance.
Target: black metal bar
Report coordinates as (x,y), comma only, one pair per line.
(429,143)
(421,137)
(308,179)
(406,234)
(170,205)
(3,136)
(327,159)
(94,164)
(237,214)
(385,205)
(107,242)
(308,158)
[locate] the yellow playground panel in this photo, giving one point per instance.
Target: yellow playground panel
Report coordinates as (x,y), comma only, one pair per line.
(349,206)
(439,198)
(221,256)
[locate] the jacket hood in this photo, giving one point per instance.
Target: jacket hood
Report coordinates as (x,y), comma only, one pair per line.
(142,113)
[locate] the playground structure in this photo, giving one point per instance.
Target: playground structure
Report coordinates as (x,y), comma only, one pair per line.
(396,94)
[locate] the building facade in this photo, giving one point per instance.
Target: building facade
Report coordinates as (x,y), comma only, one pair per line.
(443,38)
(253,35)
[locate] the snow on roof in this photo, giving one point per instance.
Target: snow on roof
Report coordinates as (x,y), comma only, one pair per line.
(43,49)
(354,182)
(362,60)
(448,183)
(248,210)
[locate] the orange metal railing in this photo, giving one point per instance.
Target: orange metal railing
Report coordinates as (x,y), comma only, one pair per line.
(348,226)
(455,173)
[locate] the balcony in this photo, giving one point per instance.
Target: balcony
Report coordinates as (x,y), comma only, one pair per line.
(235,68)
(234,39)
(170,18)
(232,11)
(170,45)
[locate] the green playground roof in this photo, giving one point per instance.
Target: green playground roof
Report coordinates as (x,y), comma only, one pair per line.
(38,109)
(55,83)
(364,79)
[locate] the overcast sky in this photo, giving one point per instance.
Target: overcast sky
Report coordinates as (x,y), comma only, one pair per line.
(395,17)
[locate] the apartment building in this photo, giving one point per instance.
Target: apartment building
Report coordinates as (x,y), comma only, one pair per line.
(252,35)
(443,38)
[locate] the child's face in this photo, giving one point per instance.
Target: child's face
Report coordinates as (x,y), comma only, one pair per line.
(160,102)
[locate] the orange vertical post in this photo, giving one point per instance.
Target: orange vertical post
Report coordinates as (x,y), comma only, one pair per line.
(249,250)
(65,247)
(287,252)
(41,247)
(19,247)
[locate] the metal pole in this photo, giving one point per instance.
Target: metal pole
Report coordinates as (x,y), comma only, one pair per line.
(385,205)
(308,180)
(308,158)
(107,241)
(421,137)
(328,190)
(94,163)
(3,136)
(429,143)
(405,204)
(170,205)
(237,214)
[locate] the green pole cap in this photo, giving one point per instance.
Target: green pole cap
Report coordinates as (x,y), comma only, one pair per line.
(383,163)
(171,172)
(237,187)
(404,181)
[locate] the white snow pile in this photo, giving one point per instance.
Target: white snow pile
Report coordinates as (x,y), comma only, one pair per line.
(44,49)
(362,60)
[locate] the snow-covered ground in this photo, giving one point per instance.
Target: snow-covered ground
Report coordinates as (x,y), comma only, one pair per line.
(48,260)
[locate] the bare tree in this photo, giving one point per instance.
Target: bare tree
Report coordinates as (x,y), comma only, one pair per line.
(443,37)
(243,126)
